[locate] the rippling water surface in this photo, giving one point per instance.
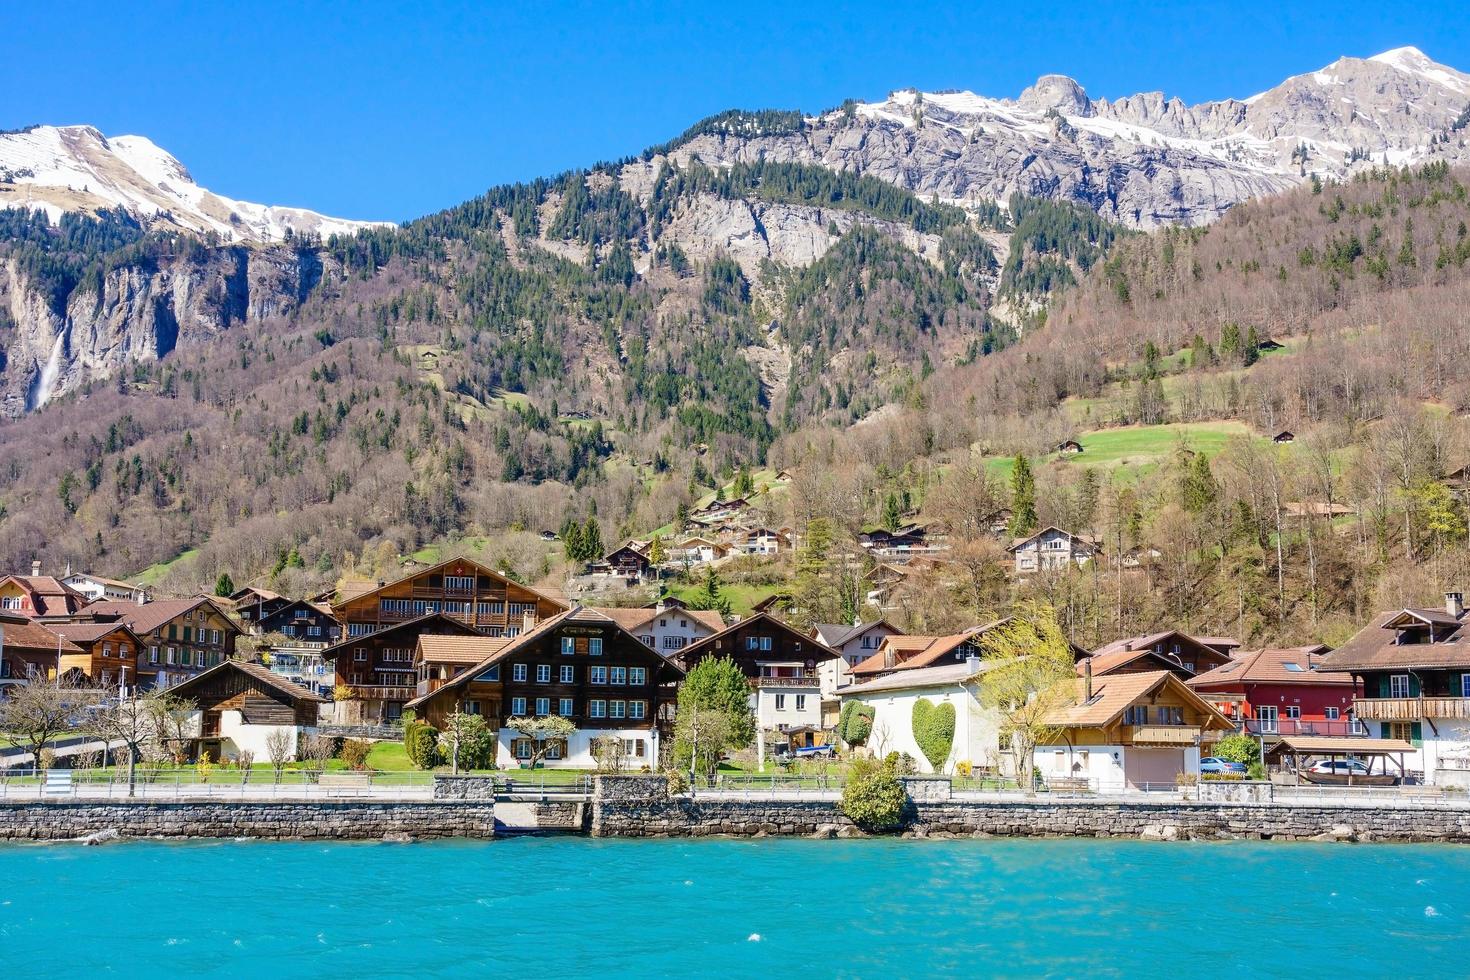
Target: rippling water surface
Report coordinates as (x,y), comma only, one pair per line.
(570,907)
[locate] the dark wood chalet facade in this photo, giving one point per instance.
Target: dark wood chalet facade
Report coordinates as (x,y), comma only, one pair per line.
(764,647)
(462,589)
(580,665)
(302,622)
(379,668)
(264,701)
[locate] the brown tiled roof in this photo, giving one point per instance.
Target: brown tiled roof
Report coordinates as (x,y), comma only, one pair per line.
(90,632)
(441,649)
(1106,663)
(51,596)
(914,652)
(258,671)
(144,618)
(628,619)
(24,633)
(421,625)
(1290,665)
(816,645)
(1115,692)
(346,592)
(1375,647)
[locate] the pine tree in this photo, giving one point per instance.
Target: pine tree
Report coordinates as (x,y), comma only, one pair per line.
(571,541)
(1197,487)
(224,585)
(1023,497)
(591,540)
(892,512)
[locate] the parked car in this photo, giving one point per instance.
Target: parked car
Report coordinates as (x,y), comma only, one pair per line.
(1342,767)
(1222,766)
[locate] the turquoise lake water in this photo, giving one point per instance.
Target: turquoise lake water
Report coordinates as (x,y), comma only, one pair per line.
(549,908)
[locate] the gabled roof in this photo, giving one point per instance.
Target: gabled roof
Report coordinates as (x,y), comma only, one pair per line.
(835,635)
(1082,538)
(259,672)
(1376,646)
(1112,694)
(479,568)
(419,625)
(101,580)
(265,595)
(700,646)
(24,633)
(49,595)
(577,614)
(1111,656)
(91,632)
(146,617)
(1290,665)
(911,652)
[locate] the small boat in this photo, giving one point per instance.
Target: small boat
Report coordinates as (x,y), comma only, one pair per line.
(1341,779)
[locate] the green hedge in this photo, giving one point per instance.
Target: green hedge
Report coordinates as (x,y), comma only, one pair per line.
(933,726)
(855,723)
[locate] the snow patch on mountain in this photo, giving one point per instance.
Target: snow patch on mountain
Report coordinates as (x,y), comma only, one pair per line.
(56,169)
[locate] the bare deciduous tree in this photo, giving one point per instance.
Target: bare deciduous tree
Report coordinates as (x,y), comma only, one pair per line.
(35,713)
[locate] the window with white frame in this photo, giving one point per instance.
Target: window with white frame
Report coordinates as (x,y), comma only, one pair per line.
(518,706)
(568,646)
(359,655)
(617,709)
(801,702)
(1398,685)
(637,676)
(594,647)
(564,707)
(636,709)
(619,675)
(543,673)
(597,708)
(1331,714)
(597,675)
(568,673)
(543,706)
(780,702)
(518,672)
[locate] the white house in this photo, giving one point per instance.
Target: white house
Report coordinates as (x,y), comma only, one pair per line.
(892,698)
(854,644)
(697,551)
(669,626)
(239,705)
(1051,548)
(763,541)
(96,588)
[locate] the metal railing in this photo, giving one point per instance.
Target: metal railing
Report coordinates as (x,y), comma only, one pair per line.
(180,784)
(1298,726)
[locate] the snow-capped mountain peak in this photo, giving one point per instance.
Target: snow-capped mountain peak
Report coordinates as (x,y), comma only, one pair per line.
(76,168)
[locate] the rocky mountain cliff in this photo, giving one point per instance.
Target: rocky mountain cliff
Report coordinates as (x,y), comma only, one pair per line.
(1145,160)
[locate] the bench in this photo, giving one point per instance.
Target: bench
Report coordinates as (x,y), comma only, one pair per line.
(346,783)
(1068,784)
(58,782)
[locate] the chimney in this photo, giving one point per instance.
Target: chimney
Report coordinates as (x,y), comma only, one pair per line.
(528,620)
(35,567)
(141,594)
(1087,679)
(1454,604)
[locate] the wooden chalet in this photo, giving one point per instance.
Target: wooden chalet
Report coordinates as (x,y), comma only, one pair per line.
(1284,436)
(628,561)
(302,623)
(252,603)
(239,704)
(1171,650)
(579,665)
(111,656)
(30,649)
(379,668)
(1069,447)
(460,588)
(1052,548)
(184,637)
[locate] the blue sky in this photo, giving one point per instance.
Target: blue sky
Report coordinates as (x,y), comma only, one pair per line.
(369,110)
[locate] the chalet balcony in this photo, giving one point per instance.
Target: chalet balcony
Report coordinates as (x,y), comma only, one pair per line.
(1411,709)
(378,692)
(759,683)
(1168,735)
(1298,726)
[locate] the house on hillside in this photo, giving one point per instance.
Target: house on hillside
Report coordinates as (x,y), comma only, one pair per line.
(254,603)
(721,510)
(184,637)
(1052,548)
(782,664)
(1170,650)
(579,665)
(96,587)
(1284,436)
(460,588)
(1275,692)
(853,644)
(302,623)
(629,562)
(1129,731)
(1412,670)
(39,596)
(893,699)
(697,551)
(1069,447)
(669,626)
(239,705)
(762,541)
(911,539)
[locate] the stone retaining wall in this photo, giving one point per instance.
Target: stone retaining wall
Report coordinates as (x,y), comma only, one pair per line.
(646,810)
(304,820)
(464,787)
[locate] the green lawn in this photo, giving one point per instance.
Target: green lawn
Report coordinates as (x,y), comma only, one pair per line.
(152,574)
(1150,443)
(742,597)
(388,755)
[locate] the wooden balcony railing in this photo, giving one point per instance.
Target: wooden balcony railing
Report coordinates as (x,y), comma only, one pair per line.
(1160,734)
(1411,709)
(377,692)
(762,682)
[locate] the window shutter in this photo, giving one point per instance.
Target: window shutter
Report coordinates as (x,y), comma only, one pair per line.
(1416,735)
(1383,686)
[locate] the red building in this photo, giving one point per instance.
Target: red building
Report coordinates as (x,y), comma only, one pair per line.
(1282,692)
